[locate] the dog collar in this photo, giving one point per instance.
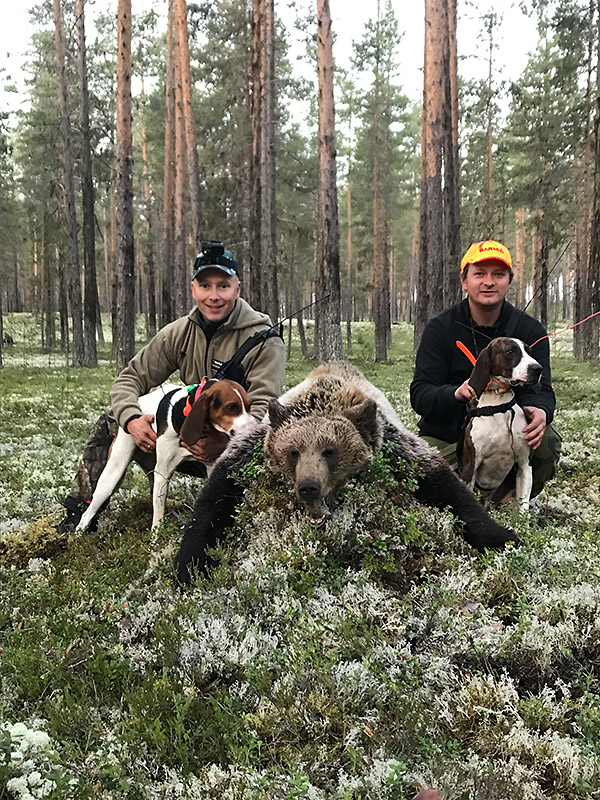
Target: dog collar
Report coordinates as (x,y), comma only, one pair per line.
(194,392)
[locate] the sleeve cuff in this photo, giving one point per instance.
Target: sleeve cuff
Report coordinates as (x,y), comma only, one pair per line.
(129,419)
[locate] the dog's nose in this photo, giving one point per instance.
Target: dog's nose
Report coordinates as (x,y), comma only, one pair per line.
(536,371)
(309,490)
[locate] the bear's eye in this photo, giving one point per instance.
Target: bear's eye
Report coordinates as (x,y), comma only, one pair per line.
(293,456)
(329,453)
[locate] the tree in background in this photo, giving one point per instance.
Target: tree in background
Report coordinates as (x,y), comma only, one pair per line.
(377,159)
(91,305)
(440,215)
(125,328)
(79,355)
(544,123)
(328,335)
(263,247)
(193,170)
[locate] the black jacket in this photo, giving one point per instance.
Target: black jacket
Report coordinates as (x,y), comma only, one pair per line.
(441,367)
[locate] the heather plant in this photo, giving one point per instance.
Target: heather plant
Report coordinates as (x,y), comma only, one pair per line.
(358,659)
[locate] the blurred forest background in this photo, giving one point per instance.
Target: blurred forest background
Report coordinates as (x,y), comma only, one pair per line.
(156,131)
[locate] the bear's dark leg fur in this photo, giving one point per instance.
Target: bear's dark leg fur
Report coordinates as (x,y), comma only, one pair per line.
(440,487)
(214,508)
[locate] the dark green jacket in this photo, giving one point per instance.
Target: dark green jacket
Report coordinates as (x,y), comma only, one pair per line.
(181,346)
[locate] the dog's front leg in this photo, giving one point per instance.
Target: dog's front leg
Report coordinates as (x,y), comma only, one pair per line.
(169,454)
(524,483)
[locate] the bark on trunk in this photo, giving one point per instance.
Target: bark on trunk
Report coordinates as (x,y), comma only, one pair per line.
(520,255)
(193,168)
(149,245)
(268,206)
(452,289)
(328,334)
(125,247)
(430,297)
(180,288)
(593,278)
(69,192)
(167,312)
(255,258)
(87,188)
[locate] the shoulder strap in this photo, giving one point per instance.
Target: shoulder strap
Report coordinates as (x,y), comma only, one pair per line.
(232,369)
(513,321)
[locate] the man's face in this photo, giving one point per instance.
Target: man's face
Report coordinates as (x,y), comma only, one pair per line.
(215,294)
(486,283)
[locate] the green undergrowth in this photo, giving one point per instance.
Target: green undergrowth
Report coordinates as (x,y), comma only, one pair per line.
(353,660)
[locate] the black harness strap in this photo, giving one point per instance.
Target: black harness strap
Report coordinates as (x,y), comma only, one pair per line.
(489,411)
(233,369)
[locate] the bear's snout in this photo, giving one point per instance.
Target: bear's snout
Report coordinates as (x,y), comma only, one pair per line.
(309,490)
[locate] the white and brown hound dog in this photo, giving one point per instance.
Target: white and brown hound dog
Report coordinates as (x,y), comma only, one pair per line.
(493,439)
(180,413)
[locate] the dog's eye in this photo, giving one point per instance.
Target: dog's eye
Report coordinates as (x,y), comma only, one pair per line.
(293,456)
(233,408)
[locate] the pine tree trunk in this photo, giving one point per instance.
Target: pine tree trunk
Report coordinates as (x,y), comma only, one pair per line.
(520,254)
(168,267)
(254,280)
(180,288)
(582,301)
(69,192)
(193,169)
(48,281)
(452,220)
(89,240)
(328,333)
(593,278)
(125,246)
(149,245)
(430,297)
(489,209)
(268,206)
(349,271)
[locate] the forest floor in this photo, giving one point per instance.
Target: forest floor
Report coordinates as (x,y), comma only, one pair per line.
(361,659)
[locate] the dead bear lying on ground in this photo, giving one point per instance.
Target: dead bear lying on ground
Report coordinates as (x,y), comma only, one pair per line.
(318,434)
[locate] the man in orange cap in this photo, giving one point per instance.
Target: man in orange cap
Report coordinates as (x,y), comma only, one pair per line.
(440,389)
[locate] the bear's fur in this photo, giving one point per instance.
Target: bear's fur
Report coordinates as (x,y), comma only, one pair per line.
(318,434)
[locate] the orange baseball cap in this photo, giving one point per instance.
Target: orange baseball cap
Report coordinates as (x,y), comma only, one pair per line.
(481,251)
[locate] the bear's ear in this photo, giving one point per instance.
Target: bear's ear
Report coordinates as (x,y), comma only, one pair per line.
(364,417)
(278,414)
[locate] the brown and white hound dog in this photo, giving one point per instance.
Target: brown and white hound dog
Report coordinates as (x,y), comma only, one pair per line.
(180,413)
(493,439)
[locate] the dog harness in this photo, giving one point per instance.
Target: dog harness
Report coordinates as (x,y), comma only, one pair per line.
(489,411)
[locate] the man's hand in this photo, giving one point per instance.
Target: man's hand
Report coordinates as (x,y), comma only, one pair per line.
(465,392)
(208,448)
(536,425)
(140,430)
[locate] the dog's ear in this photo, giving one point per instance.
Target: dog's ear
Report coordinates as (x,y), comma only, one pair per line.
(278,413)
(194,423)
(364,417)
(480,377)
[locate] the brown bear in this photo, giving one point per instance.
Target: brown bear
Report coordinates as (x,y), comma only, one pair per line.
(318,434)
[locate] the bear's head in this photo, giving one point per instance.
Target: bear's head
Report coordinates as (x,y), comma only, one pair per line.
(319,453)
